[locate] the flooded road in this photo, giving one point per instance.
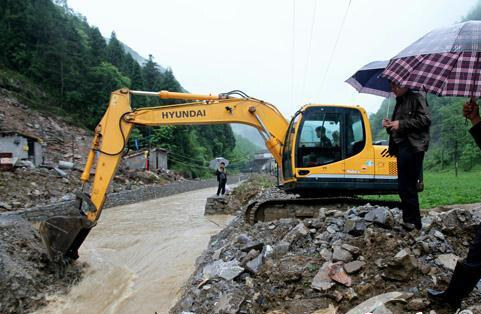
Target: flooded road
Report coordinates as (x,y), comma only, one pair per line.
(140,255)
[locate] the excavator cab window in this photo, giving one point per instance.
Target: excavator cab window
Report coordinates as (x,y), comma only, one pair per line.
(320,142)
(329,134)
(354,132)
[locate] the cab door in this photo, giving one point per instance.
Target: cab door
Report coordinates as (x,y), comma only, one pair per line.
(359,161)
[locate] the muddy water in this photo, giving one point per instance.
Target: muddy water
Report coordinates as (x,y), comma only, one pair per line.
(140,255)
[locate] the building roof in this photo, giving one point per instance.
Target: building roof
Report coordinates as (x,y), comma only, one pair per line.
(141,152)
(22,134)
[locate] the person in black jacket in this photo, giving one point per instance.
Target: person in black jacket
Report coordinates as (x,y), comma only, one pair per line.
(408,141)
(221,178)
(468,272)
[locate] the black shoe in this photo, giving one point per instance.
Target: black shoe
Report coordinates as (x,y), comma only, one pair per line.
(408,226)
(462,282)
(442,297)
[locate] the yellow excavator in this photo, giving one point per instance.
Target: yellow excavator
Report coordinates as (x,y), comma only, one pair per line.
(324,153)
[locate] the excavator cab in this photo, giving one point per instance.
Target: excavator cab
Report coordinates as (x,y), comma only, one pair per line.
(329,150)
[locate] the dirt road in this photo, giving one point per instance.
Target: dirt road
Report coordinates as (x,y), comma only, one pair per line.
(140,255)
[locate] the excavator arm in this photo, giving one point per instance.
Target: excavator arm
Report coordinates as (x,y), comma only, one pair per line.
(63,235)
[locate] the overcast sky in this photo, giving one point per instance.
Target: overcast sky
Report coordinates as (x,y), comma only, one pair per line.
(215,46)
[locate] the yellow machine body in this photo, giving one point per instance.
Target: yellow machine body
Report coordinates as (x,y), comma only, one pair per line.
(307,163)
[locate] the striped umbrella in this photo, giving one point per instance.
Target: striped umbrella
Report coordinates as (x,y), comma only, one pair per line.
(444,62)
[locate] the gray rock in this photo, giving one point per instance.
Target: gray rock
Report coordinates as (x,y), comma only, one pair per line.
(254,265)
(332,229)
(5,205)
(351,248)
(341,254)
(380,215)
(296,233)
(253,246)
(250,256)
(229,303)
(447,260)
(417,304)
(326,254)
(60,172)
(353,267)
(280,249)
(355,227)
(439,235)
(226,270)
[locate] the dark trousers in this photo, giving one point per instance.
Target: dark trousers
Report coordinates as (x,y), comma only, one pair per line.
(474,254)
(221,188)
(409,167)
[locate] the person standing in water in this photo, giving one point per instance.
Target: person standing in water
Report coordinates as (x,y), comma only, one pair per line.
(221,179)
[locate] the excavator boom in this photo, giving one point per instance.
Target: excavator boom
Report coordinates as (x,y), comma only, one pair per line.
(64,235)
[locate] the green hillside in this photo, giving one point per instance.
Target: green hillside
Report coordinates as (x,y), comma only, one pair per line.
(53,60)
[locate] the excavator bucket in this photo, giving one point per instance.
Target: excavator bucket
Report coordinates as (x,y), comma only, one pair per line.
(63,235)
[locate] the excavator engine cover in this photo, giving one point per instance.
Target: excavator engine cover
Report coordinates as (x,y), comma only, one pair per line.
(63,235)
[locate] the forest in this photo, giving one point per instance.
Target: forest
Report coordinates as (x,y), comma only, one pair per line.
(76,68)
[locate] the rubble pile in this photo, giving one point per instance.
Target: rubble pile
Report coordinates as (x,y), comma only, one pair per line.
(61,140)
(343,259)
(27,275)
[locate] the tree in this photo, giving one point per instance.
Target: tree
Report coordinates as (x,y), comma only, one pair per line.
(115,51)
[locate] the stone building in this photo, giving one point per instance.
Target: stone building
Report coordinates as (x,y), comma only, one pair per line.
(22,147)
(157,159)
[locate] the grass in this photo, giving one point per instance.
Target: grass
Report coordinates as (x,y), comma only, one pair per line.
(444,188)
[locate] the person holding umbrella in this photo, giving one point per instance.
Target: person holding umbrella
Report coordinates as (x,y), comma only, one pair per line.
(467,273)
(221,179)
(408,140)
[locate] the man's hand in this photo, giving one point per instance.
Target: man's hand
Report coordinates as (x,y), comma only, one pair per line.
(385,123)
(471,112)
(394,125)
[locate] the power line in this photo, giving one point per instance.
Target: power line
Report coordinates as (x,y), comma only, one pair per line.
(335,45)
(293,49)
(313,22)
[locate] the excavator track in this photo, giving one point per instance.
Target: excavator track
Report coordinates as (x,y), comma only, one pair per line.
(302,208)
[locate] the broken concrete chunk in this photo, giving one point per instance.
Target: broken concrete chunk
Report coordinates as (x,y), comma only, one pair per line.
(382,310)
(341,254)
(447,260)
(62,164)
(336,272)
(374,302)
(353,267)
(296,233)
(322,281)
(60,172)
(225,270)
